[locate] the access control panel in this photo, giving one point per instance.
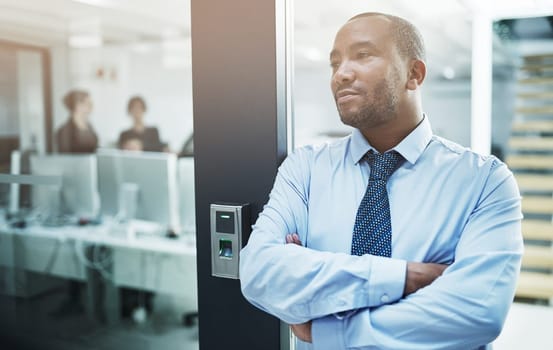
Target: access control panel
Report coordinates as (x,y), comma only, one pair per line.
(230,225)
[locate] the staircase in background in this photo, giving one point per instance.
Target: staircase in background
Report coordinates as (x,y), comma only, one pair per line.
(531,160)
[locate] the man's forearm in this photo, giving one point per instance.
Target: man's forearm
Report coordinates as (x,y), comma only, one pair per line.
(418,275)
(298,284)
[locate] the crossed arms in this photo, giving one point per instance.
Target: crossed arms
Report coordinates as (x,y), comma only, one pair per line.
(418,275)
(463,308)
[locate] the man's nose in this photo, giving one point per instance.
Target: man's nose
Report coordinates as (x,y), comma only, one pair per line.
(343,74)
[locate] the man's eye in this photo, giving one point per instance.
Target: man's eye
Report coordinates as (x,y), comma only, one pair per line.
(363,54)
(334,65)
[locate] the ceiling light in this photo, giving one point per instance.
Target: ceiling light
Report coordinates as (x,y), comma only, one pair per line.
(142,47)
(100,3)
(85,41)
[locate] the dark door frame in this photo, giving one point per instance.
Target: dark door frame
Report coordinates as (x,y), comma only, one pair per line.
(240,138)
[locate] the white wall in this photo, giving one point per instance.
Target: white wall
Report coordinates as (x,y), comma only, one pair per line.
(60,84)
(168,93)
(447,104)
(126,72)
(315,111)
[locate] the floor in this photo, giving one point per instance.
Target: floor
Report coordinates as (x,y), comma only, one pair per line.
(29,324)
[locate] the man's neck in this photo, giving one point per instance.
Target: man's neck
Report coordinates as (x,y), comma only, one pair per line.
(388,135)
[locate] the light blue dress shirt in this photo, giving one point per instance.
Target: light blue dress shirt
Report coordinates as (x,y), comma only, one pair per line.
(448,205)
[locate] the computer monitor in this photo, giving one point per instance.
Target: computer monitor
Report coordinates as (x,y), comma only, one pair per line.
(79,186)
(152,174)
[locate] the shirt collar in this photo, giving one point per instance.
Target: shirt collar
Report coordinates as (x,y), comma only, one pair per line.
(411,147)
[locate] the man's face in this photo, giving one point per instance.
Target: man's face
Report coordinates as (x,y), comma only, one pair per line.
(367,73)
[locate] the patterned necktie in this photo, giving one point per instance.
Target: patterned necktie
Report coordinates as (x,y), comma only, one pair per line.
(372,233)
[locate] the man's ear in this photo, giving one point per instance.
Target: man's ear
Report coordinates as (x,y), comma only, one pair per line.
(417,73)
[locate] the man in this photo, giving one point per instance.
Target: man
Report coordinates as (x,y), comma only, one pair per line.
(401,239)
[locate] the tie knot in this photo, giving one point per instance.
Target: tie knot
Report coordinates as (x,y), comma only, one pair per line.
(383,164)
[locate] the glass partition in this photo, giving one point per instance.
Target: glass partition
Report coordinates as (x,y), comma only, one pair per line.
(97,226)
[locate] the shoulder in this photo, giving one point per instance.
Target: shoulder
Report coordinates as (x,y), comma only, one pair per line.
(485,175)
(310,154)
(302,161)
(64,127)
(488,170)
(447,150)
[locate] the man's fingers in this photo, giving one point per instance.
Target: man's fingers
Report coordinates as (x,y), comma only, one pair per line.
(302,331)
(293,238)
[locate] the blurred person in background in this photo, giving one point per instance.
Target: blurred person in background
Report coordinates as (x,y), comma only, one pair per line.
(77,134)
(140,137)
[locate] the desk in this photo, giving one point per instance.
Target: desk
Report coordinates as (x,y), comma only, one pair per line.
(148,262)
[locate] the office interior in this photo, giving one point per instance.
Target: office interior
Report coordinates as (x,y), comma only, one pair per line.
(98,250)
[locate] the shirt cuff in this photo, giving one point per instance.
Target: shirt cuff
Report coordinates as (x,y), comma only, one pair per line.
(327,333)
(387,280)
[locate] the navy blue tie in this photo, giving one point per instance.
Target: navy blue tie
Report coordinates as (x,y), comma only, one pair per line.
(372,233)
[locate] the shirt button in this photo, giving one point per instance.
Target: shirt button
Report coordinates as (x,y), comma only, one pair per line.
(341,302)
(384,298)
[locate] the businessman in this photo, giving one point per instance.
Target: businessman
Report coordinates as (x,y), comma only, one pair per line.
(392,237)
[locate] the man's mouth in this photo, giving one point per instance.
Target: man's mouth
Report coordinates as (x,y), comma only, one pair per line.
(344,96)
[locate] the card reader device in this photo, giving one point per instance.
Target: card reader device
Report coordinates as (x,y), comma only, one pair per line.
(230,226)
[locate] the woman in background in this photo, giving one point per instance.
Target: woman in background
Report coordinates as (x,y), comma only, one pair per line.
(140,137)
(77,134)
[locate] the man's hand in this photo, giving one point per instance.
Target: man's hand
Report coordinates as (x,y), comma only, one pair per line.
(420,275)
(293,239)
(302,331)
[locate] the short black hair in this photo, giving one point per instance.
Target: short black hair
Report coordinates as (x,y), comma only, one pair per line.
(407,37)
(136,99)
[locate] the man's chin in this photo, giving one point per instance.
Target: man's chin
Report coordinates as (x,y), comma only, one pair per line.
(350,120)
